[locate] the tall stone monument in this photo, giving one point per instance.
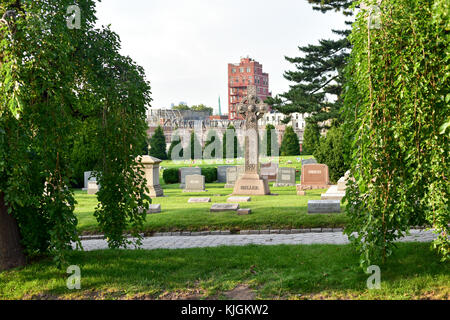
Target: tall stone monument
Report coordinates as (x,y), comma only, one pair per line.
(251,183)
(151,171)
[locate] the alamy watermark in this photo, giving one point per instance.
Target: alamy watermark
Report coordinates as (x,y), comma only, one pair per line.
(74,280)
(374,281)
(74,17)
(198,146)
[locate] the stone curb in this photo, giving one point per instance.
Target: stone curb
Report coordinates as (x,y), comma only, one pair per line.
(228,232)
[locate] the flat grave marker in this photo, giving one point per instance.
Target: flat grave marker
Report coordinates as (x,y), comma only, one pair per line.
(239,199)
(221,207)
(324,206)
(199,200)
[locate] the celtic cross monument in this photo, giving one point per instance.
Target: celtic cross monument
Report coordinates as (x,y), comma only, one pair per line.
(252,109)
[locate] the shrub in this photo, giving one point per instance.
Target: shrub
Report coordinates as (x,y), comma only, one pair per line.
(158,144)
(175,141)
(210,174)
(290,146)
(330,151)
(170,175)
(310,138)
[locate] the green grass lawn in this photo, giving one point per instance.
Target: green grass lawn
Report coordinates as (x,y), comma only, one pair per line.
(285,211)
(250,272)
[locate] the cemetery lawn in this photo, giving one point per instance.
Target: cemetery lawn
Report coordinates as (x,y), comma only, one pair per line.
(284,211)
(251,272)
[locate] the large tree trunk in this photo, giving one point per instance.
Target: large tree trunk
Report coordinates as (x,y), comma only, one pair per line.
(11,251)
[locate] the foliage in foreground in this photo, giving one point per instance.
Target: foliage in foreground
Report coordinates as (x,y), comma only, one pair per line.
(397,100)
(55,80)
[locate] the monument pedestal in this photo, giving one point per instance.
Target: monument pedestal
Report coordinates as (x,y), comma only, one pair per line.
(251,184)
(155,191)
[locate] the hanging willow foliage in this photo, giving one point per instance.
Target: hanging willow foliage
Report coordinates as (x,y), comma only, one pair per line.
(55,80)
(396,103)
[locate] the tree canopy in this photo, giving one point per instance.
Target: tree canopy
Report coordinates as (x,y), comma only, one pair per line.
(55,80)
(396,104)
(317,79)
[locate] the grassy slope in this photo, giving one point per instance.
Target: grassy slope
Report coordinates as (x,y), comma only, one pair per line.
(288,272)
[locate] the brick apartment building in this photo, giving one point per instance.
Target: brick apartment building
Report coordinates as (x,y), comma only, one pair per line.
(247,72)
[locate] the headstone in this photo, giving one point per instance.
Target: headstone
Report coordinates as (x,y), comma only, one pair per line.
(324,206)
(92,187)
(220,207)
(342,183)
(285,177)
(222,173)
(333,194)
(153,208)
(187,171)
(252,109)
(315,176)
(269,171)
(199,200)
(300,191)
(243,212)
(195,183)
(151,172)
(238,199)
(309,161)
(87,178)
(233,174)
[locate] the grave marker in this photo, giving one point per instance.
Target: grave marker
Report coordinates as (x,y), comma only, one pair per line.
(220,207)
(186,171)
(285,177)
(252,109)
(195,183)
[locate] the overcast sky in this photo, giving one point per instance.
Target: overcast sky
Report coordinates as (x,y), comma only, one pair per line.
(185,45)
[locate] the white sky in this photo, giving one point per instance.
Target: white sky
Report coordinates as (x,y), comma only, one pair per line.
(186,45)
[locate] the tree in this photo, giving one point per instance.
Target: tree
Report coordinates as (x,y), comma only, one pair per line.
(202,107)
(266,141)
(195,146)
(181,107)
(215,145)
(228,147)
(176,140)
(318,75)
(330,151)
(84,156)
(290,145)
(53,80)
(311,138)
(158,144)
(396,101)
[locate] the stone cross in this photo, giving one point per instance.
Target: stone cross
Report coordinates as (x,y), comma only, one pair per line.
(252,109)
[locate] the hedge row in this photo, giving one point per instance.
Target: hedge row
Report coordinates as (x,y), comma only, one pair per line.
(170,175)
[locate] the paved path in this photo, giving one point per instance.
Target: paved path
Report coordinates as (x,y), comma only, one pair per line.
(182,242)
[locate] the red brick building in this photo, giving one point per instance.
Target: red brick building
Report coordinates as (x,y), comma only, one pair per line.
(247,72)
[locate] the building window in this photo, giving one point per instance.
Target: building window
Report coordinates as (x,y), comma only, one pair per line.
(233,70)
(241,70)
(249,70)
